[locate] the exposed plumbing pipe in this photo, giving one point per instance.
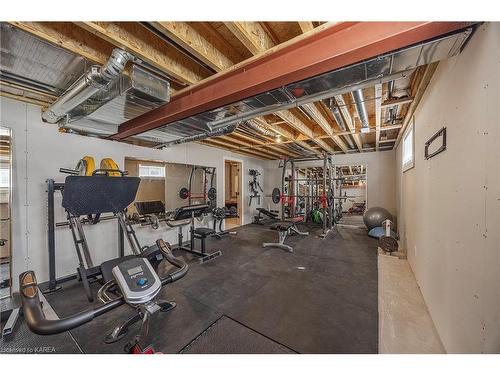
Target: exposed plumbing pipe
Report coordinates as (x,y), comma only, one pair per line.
(199,137)
(359,99)
(94,80)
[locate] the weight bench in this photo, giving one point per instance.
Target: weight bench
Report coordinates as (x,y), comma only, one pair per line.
(185,215)
(262,211)
(285,228)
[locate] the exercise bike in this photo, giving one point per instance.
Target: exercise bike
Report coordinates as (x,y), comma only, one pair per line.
(134,282)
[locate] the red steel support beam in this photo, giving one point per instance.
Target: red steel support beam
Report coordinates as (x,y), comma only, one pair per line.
(334,47)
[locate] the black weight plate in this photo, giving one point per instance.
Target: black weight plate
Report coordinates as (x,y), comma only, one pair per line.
(388,244)
(212,194)
(276,195)
(184,193)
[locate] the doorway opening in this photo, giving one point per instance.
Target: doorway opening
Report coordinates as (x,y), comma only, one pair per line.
(232,191)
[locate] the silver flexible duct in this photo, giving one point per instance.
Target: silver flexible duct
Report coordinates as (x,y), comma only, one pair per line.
(359,99)
(259,128)
(199,137)
(94,80)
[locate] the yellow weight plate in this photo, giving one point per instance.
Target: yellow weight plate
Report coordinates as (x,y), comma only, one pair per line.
(90,165)
(108,163)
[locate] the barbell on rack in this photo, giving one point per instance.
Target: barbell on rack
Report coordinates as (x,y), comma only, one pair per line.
(326,199)
(184,193)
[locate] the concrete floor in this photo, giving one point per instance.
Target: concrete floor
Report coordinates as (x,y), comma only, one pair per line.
(405,326)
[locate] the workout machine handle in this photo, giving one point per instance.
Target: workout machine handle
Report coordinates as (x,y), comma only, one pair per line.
(38,322)
(35,317)
(177,262)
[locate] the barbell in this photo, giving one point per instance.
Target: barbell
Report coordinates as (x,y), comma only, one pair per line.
(326,199)
(184,193)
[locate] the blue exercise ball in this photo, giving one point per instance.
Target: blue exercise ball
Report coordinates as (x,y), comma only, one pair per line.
(375,216)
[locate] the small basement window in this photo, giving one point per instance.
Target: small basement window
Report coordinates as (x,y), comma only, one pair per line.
(408,158)
(151,171)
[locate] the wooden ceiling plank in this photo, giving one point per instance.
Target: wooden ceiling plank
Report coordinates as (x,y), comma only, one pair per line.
(207,49)
(249,153)
(257,40)
(318,117)
(306,26)
(24,99)
(253,36)
(148,47)
(69,37)
(246,146)
(393,102)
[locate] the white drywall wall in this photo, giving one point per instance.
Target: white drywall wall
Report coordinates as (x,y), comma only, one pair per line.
(449,206)
(380,175)
(39,150)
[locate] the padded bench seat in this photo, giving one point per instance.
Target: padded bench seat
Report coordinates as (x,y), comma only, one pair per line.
(284,228)
(205,232)
(282,225)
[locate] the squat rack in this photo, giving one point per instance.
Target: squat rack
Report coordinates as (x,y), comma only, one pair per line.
(320,189)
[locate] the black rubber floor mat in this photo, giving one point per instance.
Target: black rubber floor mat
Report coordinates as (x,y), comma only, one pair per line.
(227,336)
(23,341)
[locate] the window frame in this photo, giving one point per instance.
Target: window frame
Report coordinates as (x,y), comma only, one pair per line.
(409,164)
(162,177)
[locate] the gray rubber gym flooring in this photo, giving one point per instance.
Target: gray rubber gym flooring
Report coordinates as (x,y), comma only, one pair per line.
(320,299)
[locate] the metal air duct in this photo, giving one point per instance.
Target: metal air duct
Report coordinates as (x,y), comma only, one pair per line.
(259,129)
(199,137)
(359,103)
(94,80)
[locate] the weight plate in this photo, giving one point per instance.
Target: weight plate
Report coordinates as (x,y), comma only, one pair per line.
(108,163)
(219,213)
(184,193)
(90,165)
(276,195)
(212,194)
(388,244)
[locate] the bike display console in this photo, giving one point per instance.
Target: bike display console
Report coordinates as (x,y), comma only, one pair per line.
(137,280)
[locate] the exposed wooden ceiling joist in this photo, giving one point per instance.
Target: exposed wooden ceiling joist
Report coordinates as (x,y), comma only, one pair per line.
(271,145)
(253,36)
(324,124)
(393,102)
(349,122)
(230,138)
(253,153)
(419,92)
(306,26)
(257,40)
(148,47)
(206,47)
(69,37)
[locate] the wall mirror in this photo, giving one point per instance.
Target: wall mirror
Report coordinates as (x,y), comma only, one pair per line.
(353,186)
(174,184)
(5,211)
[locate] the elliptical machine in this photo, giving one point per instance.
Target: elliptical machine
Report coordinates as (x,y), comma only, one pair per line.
(134,282)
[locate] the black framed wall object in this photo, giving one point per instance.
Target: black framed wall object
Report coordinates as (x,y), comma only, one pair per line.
(440,134)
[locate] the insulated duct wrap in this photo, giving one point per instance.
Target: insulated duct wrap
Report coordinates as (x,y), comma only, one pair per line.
(92,82)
